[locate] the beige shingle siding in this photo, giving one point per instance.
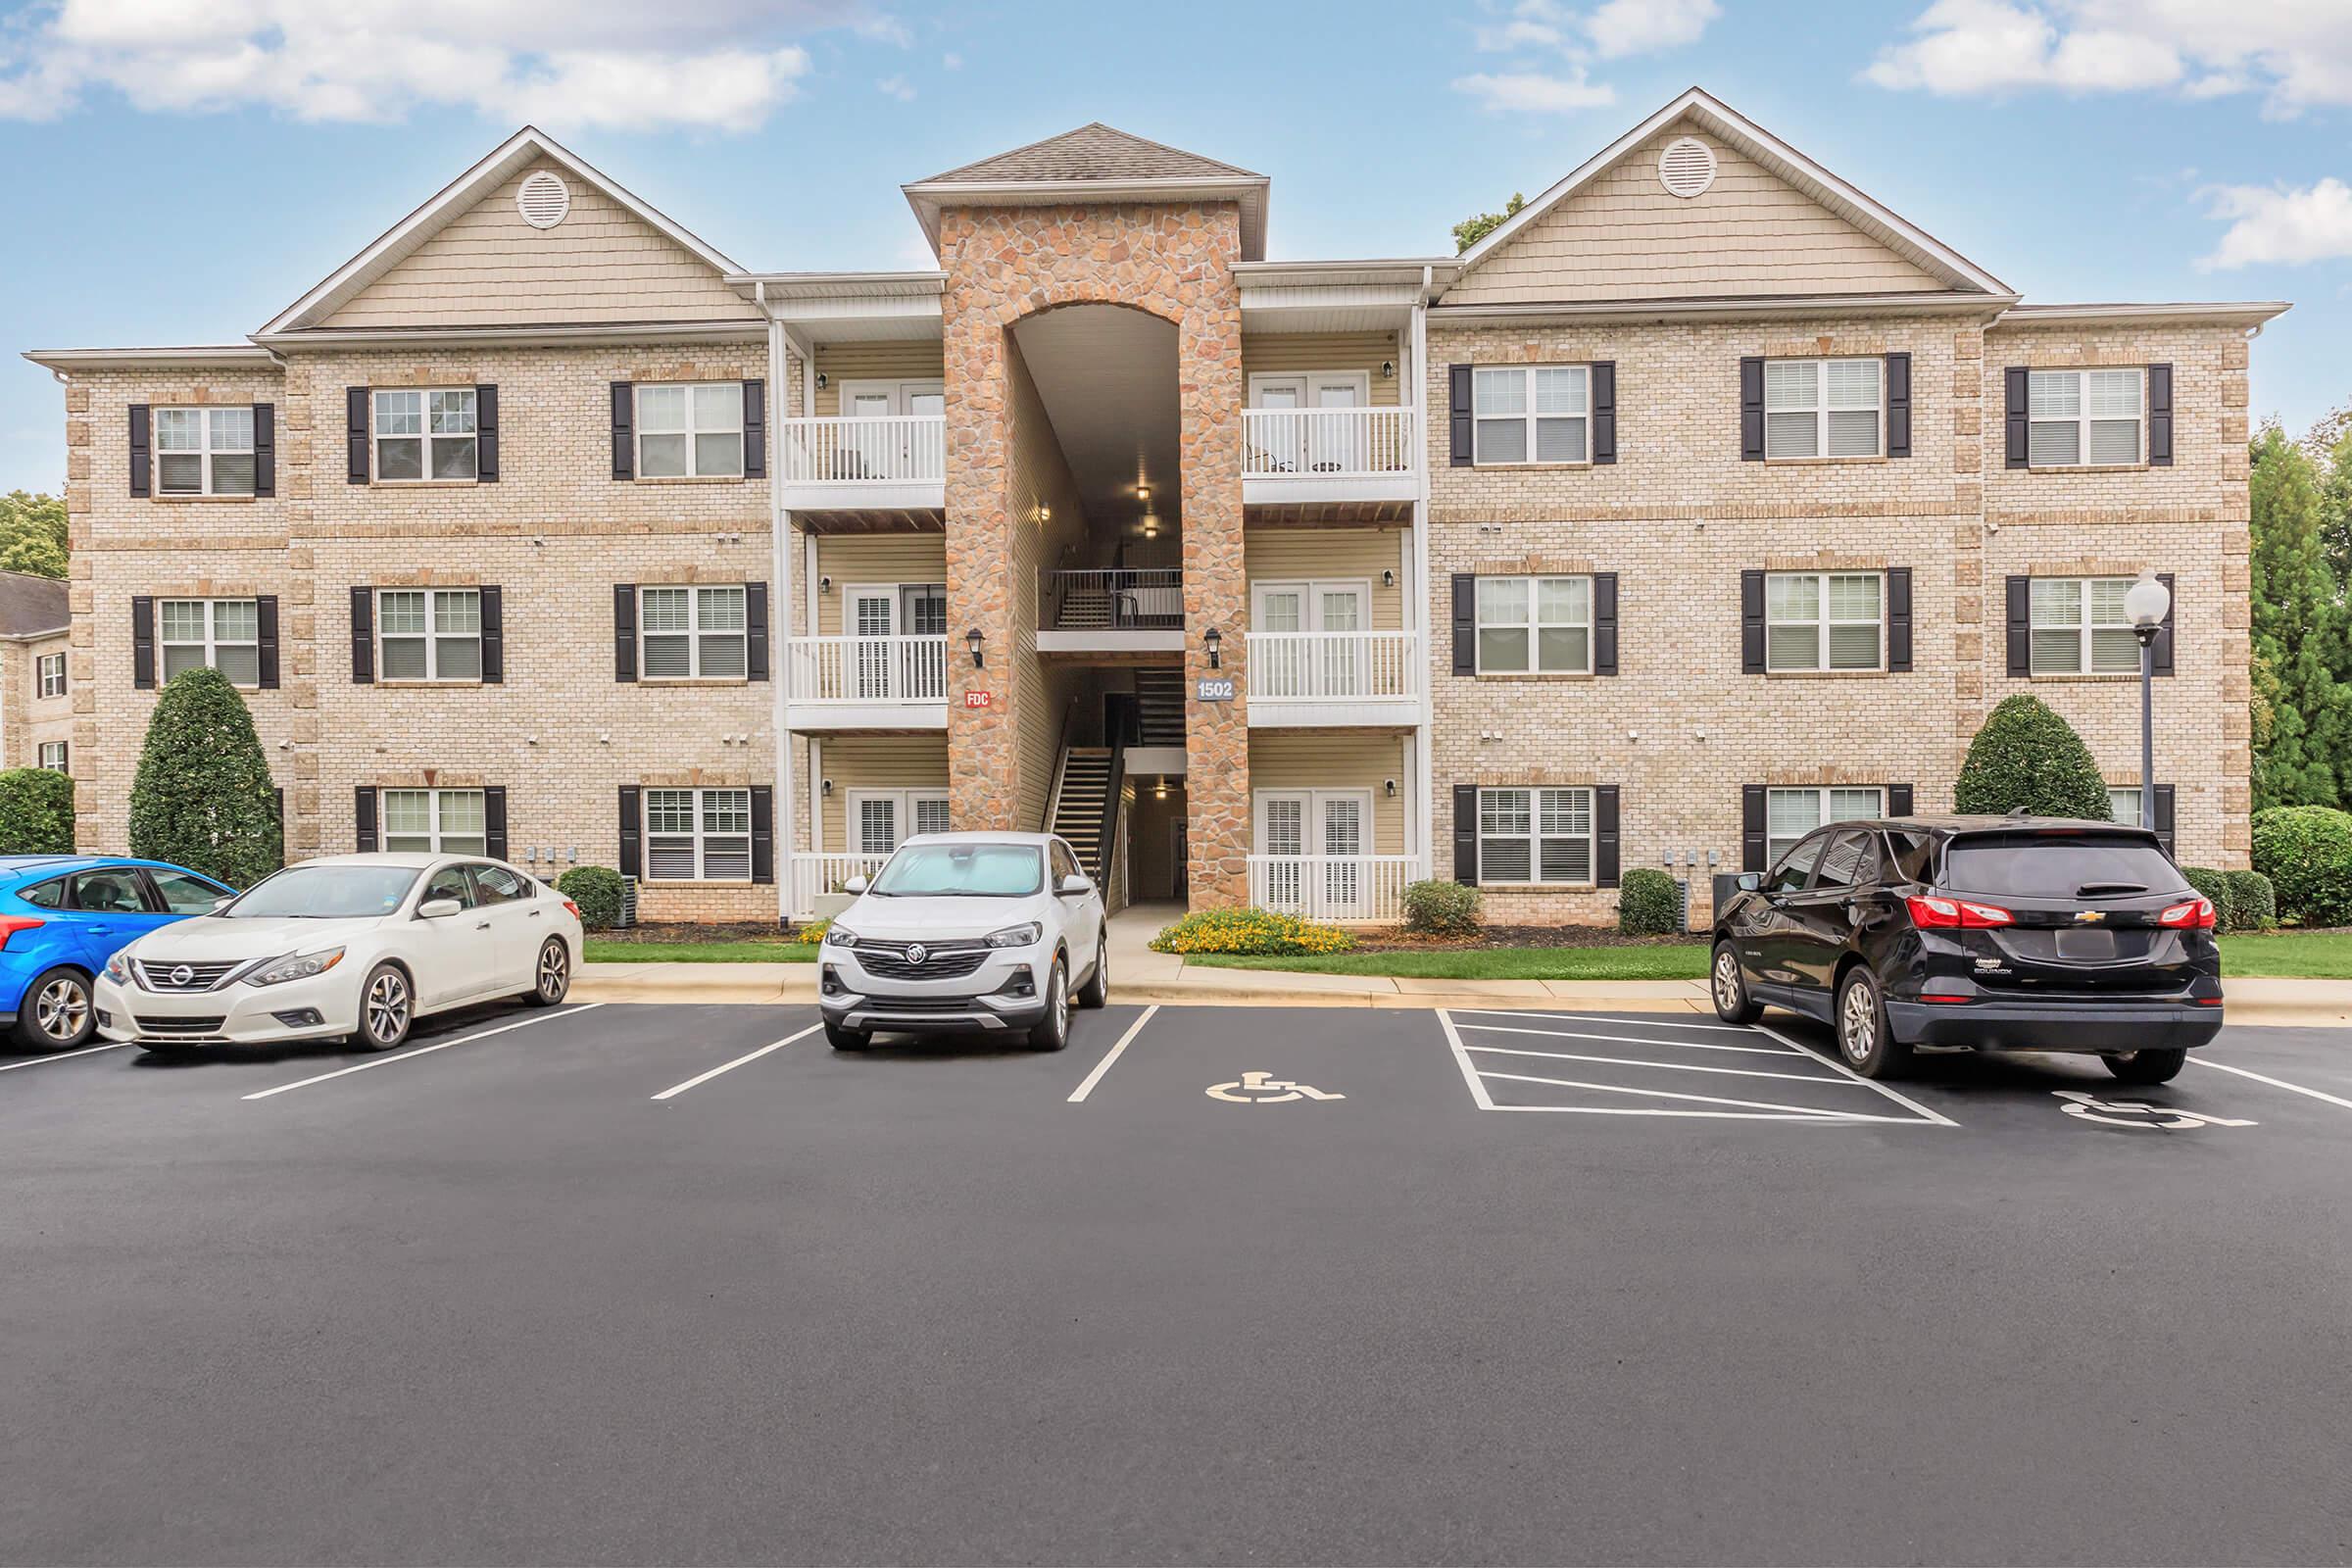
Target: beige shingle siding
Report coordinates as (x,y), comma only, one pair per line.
(914,359)
(1303,353)
(1336,760)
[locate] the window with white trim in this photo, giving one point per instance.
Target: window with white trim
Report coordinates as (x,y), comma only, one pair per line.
(2123,803)
(426,433)
(690,430)
(433,821)
(1535,836)
(203,452)
(53,757)
(1825,620)
(693,633)
(1792,814)
(1823,408)
(429,633)
(2079,627)
(1531,414)
(698,835)
(880,818)
(2084,418)
(49,675)
(1535,625)
(224,634)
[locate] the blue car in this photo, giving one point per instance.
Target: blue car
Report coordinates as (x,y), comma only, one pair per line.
(62,916)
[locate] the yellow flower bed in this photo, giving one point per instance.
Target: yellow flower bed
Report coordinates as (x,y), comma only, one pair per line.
(1251,931)
(810,935)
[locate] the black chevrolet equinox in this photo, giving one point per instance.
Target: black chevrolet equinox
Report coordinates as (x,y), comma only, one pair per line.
(2018,933)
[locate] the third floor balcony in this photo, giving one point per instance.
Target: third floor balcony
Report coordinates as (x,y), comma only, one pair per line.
(1320,456)
(880,462)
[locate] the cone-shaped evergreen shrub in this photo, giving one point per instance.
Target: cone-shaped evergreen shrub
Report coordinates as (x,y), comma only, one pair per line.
(36,812)
(203,797)
(2026,757)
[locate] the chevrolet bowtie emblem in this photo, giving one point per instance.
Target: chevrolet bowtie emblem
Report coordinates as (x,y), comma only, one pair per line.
(2090,914)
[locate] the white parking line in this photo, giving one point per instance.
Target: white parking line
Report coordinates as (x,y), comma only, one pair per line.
(427,1051)
(1935,1117)
(2243,1072)
(1791,1113)
(1670,1066)
(1078,1094)
(1646,1020)
(1461,1060)
(66,1056)
(675,1090)
(1633,1039)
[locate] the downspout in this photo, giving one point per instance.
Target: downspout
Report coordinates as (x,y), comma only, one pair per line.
(780,648)
(1424,765)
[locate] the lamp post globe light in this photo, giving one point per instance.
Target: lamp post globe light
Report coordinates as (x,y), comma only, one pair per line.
(2145,604)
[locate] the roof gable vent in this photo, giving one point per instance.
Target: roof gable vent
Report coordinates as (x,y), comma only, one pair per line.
(1687,167)
(543,200)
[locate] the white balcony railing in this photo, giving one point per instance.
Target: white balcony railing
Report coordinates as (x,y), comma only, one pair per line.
(812,874)
(1333,887)
(1332,666)
(868,669)
(1329,443)
(891,449)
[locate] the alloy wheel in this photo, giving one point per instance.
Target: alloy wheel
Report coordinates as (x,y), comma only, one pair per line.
(1726,980)
(387,1007)
(61,1008)
(1058,1001)
(553,967)
(1858,1023)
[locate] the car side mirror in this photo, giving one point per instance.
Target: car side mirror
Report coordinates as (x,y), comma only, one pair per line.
(438,909)
(1074,886)
(856,884)
(222,902)
(1751,881)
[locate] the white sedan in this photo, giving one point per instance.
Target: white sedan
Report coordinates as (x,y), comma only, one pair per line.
(357,946)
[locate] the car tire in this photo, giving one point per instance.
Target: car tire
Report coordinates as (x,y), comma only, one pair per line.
(387,1009)
(841,1039)
(1728,985)
(1865,1043)
(1097,990)
(55,1014)
(2148,1067)
(550,977)
(1053,1031)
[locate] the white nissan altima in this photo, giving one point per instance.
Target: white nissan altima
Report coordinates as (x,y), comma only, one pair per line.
(351,945)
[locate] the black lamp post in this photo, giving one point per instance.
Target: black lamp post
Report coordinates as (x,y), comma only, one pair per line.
(2145,603)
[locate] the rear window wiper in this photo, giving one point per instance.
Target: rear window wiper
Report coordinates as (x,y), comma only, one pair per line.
(2093,889)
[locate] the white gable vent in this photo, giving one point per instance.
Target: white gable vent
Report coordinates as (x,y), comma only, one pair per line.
(543,200)
(1687,167)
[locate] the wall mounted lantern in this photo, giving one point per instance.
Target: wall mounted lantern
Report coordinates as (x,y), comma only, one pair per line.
(1213,640)
(972,641)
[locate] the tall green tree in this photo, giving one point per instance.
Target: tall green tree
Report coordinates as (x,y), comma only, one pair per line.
(1478,225)
(202,796)
(2335,509)
(32,534)
(2298,633)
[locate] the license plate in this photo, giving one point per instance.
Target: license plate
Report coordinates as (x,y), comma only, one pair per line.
(2087,946)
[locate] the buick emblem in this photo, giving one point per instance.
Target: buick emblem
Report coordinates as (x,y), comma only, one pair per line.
(182,975)
(917,952)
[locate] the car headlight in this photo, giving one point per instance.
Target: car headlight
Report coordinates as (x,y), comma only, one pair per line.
(1016,936)
(295,966)
(118,968)
(839,936)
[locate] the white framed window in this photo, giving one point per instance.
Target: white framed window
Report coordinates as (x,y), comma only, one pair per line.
(53,757)
(1531,414)
(223,633)
(426,433)
(690,430)
(1792,814)
(203,452)
(698,835)
(879,819)
(1535,836)
(2086,418)
(2123,803)
(49,675)
(1825,620)
(693,633)
(429,633)
(2079,628)
(1535,625)
(1823,408)
(433,821)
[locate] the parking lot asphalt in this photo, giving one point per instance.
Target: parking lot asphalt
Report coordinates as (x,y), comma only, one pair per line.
(680,1283)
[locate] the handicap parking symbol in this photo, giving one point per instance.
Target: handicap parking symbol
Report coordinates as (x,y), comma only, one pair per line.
(2139,1113)
(1264,1089)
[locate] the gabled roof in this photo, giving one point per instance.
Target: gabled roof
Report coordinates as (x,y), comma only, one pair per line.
(1100,163)
(30,605)
(1717,119)
(509,158)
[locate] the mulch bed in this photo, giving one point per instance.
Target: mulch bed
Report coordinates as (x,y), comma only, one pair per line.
(667,933)
(1519,936)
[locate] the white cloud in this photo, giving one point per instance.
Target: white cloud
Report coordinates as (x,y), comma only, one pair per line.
(898,88)
(2281,224)
(1621,28)
(951,60)
(1535,92)
(1557,46)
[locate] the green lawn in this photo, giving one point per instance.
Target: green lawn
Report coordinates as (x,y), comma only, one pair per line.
(2296,954)
(1667,961)
(605,950)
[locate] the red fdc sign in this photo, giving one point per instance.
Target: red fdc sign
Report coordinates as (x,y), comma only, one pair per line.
(978,700)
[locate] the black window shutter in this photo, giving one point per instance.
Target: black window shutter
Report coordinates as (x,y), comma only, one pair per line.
(2164,817)
(1898,404)
(754,623)
(763,833)
(355,434)
(2016,402)
(631,838)
(142,642)
(1604,410)
(1899,800)
(264,449)
(624,444)
(1604,624)
(362,636)
(1605,853)
(2160,415)
(1466,623)
(1751,408)
(2021,626)
(2162,660)
(1458,414)
(362,813)
(1899,619)
(754,429)
(1752,842)
(624,631)
(485,433)
(494,820)
(142,453)
(1465,834)
(264,614)
(1751,623)
(493,635)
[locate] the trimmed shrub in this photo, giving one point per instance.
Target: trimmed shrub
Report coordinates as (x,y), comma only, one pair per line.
(1251,931)
(1434,909)
(1647,903)
(36,812)
(2028,757)
(2215,885)
(598,891)
(202,796)
(2253,901)
(2306,851)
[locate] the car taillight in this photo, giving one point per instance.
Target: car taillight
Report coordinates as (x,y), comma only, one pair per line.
(10,924)
(1931,913)
(2196,915)
(573,908)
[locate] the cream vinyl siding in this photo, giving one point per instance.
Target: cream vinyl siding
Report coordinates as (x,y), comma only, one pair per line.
(1301,353)
(602,263)
(877,762)
(874,557)
(1332,554)
(917,360)
(1335,760)
(1625,237)
(1039,480)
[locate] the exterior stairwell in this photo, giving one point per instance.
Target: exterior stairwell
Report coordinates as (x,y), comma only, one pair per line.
(1160,702)
(1082,796)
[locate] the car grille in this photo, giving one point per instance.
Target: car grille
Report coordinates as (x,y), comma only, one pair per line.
(179,1026)
(889,1005)
(888,960)
(163,974)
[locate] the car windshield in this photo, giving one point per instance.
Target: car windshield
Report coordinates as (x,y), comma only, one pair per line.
(961,871)
(326,893)
(2058,865)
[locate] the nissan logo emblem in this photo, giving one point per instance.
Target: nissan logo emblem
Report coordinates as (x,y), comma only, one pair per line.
(917,952)
(182,975)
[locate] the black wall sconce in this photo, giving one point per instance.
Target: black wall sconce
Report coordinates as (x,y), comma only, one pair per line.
(822,381)
(824,585)
(972,641)
(1388,369)
(828,787)
(1388,579)
(1390,786)
(1213,640)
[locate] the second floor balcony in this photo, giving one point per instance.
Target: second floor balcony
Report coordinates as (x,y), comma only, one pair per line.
(883,462)
(853,682)
(1334,677)
(1328,455)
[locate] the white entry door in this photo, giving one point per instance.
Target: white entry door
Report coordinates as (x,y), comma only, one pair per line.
(1329,665)
(1315,839)
(869,614)
(1281,443)
(896,450)
(1335,439)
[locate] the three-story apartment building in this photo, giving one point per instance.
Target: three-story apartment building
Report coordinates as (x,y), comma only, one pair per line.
(1703,501)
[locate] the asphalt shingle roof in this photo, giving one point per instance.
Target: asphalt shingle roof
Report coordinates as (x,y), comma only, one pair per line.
(1090,152)
(30,604)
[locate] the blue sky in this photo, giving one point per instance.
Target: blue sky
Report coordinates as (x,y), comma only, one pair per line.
(181,169)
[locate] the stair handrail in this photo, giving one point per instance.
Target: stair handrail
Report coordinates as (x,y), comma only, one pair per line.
(1061,766)
(1110,803)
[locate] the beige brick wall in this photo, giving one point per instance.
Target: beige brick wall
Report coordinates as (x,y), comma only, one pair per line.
(28,720)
